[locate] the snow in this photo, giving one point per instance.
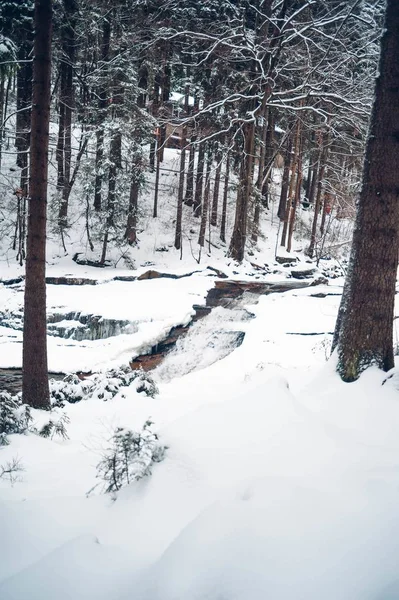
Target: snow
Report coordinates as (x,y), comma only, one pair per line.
(279,480)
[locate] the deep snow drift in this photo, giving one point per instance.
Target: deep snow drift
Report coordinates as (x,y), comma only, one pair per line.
(279,481)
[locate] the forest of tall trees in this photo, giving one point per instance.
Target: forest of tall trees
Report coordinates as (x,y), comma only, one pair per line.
(236,85)
(241,90)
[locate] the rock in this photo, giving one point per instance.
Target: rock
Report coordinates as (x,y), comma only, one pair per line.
(219,273)
(321,281)
(12,281)
(290,260)
(200,312)
(304,273)
(88,262)
(70,281)
(151,274)
(147,362)
(79,326)
(124,278)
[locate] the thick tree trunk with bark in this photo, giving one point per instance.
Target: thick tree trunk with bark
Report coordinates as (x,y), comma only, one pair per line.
(268,158)
(282,207)
(239,236)
(319,176)
(215,200)
(199,182)
(292,188)
(131,226)
(102,106)
(35,388)
(67,102)
(189,197)
(115,165)
(179,215)
(205,207)
(297,200)
(259,200)
(24,100)
(363,334)
(225,195)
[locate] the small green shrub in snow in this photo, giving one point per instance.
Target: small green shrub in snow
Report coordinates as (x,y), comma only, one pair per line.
(15,417)
(129,457)
(103,386)
(11,470)
(53,428)
(71,389)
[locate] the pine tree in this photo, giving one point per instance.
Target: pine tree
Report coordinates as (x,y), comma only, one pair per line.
(363,333)
(35,387)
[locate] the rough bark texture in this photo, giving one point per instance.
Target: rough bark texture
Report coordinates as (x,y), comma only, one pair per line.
(363,334)
(282,207)
(205,207)
(188,200)
(179,215)
(239,236)
(199,180)
(215,201)
(225,195)
(297,199)
(292,188)
(24,99)
(131,226)
(67,101)
(35,388)
(258,199)
(102,106)
(319,175)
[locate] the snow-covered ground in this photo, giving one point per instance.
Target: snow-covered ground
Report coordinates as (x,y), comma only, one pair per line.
(279,481)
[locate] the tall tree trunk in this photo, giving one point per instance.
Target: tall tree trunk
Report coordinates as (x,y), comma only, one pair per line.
(115,164)
(189,197)
(102,107)
(35,387)
(24,100)
(225,196)
(2,116)
(297,199)
(259,200)
(199,180)
(282,207)
(4,106)
(61,133)
(67,99)
(205,206)
(312,167)
(291,193)
(269,153)
(131,226)
(364,328)
(239,236)
(157,174)
(216,187)
(178,232)
(320,175)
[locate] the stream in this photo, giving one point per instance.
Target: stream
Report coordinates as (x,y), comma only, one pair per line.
(213,333)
